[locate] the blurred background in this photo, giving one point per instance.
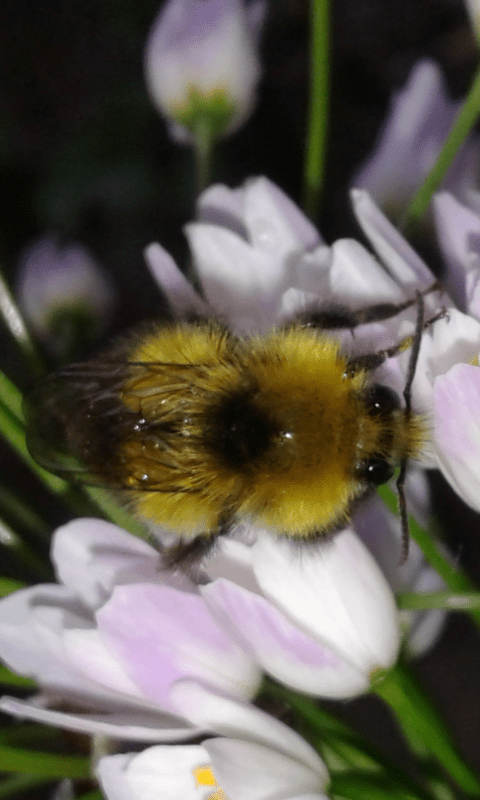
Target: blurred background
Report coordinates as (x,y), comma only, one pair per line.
(83,153)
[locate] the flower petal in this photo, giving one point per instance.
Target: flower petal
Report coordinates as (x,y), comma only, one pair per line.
(457,430)
(281,648)
(399,259)
(129,725)
(230,717)
(336,593)
(180,293)
(161,635)
(250,771)
(158,773)
(92,556)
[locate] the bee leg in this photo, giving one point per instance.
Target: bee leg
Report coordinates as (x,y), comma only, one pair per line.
(340,317)
(371,361)
(187,554)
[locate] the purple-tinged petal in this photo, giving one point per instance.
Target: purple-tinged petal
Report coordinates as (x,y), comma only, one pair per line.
(260,213)
(56,278)
(31,627)
(458,230)
(92,556)
(357,277)
(336,593)
(179,292)
(400,260)
(456,398)
(207,49)
(241,282)
(130,724)
(282,648)
(162,635)
(230,717)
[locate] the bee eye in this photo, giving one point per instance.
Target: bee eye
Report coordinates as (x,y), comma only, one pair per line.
(375,470)
(381,400)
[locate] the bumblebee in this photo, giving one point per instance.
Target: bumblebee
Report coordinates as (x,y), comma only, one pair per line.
(203,429)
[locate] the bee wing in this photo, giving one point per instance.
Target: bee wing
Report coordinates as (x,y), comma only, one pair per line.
(77,418)
(68,415)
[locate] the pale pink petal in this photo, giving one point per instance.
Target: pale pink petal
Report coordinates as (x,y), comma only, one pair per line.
(281,648)
(229,717)
(337,593)
(399,258)
(135,724)
(161,635)
(249,771)
(457,430)
(92,556)
(179,292)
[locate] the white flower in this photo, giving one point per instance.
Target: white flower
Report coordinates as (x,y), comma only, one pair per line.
(420,117)
(320,619)
(380,531)
(114,638)
(219,769)
(60,284)
(202,64)
(458,231)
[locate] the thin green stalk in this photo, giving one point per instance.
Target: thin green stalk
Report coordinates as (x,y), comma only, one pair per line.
(422,724)
(31,762)
(9,585)
(15,324)
(8,678)
(435,555)
(462,126)
(204,145)
(464,601)
(319,95)
(10,396)
(342,748)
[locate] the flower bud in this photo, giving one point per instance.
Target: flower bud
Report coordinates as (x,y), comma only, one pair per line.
(63,294)
(202,65)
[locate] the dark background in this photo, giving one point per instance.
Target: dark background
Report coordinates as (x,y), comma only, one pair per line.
(83,152)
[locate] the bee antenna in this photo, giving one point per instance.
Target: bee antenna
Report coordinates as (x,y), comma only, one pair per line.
(407,393)
(403,512)
(415,350)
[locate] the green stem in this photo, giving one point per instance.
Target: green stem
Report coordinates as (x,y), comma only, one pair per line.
(8,678)
(15,324)
(13,759)
(434,554)
(463,124)
(465,601)
(9,585)
(319,90)
(342,748)
(204,144)
(422,725)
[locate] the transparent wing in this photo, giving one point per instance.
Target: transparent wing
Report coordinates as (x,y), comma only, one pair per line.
(80,426)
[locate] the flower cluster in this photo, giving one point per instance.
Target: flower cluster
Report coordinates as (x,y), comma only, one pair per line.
(124,648)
